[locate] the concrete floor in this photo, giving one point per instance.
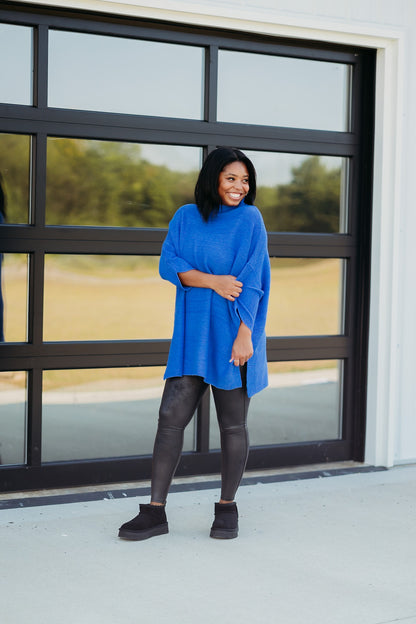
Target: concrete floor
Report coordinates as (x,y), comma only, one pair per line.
(336,550)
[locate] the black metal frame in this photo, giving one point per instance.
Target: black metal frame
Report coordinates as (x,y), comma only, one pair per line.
(37,239)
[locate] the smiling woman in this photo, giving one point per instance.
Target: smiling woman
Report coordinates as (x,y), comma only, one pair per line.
(216,255)
(233,183)
(98,149)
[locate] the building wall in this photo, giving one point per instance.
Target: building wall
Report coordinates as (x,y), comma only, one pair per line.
(389,26)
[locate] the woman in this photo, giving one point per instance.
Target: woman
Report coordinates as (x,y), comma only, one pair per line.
(216,255)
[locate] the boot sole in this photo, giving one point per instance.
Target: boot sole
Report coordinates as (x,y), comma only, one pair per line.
(143,534)
(224,533)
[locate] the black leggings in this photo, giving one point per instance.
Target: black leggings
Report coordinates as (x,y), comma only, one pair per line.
(179,402)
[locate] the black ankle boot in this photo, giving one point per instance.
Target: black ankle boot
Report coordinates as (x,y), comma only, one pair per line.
(225,525)
(149,522)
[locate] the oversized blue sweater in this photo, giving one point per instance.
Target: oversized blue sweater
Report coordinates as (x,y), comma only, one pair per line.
(233,242)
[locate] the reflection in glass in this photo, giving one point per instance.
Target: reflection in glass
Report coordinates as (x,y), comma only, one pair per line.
(96,413)
(16,63)
(306,297)
(119,75)
(118,184)
(13,297)
(106,298)
(15,176)
(301,404)
(299,193)
(12,417)
(289,92)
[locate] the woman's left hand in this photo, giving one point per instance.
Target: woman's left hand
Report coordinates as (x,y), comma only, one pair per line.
(242,347)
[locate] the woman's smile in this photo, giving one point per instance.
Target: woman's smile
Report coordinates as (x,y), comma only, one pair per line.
(233,183)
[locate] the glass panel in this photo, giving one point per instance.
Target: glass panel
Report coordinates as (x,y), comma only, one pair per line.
(106,298)
(118,184)
(301,404)
(13,297)
(299,193)
(16,64)
(12,417)
(290,92)
(14,178)
(306,297)
(100,413)
(125,75)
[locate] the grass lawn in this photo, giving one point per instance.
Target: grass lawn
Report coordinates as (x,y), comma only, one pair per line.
(113,298)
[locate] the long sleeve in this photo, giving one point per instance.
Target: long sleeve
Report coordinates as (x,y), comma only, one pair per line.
(255,277)
(171,263)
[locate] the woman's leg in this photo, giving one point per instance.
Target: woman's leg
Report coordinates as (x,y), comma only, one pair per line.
(232,408)
(179,402)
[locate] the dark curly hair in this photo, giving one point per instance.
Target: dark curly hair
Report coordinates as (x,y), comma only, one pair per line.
(206,189)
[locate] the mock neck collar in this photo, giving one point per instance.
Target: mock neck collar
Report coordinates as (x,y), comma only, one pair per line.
(224,208)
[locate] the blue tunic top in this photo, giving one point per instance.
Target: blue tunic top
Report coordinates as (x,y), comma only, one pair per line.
(233,242)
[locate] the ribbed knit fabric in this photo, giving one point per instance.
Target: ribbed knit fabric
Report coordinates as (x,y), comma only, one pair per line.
(233,242)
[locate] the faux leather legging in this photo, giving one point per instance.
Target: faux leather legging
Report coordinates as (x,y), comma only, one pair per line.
(179,402)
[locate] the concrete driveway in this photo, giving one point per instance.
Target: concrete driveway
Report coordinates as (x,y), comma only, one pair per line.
(335,550)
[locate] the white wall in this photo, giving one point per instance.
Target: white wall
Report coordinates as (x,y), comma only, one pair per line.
(389,26)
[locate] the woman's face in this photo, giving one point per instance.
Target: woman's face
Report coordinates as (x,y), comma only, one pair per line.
(233,183)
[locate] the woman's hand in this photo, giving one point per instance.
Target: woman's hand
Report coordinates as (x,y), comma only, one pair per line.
(226,286)
(242,347)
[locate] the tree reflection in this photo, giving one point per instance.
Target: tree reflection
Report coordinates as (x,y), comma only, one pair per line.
(103,183)
(310,202)
(114,184)
(14,165)
(111,184)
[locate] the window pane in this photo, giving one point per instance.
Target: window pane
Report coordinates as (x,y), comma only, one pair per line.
(13,297)
(16,64)
(100,413)
(14,177)
(106,298)
(301,404)
(119,75)
(12,417)
(295,93)
(118,184)
(306,297)
(299,193)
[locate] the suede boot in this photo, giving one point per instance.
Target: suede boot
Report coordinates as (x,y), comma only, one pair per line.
(225,525)
(149,522)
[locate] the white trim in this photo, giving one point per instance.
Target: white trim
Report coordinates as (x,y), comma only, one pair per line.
(231,15)
(383,397)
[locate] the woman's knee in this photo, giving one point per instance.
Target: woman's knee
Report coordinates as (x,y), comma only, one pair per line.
(179,401)
(239,429)
(170,414)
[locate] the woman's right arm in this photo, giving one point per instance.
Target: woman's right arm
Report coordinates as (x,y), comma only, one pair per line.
(226,286)
(178,271)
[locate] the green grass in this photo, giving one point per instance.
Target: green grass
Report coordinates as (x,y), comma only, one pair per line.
(108,298)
